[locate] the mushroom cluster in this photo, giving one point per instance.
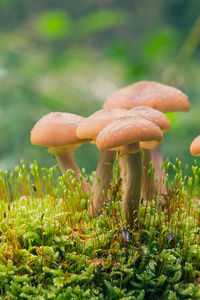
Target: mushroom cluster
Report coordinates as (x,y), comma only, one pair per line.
(132,122)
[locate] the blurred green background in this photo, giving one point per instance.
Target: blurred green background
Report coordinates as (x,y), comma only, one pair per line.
(69,55)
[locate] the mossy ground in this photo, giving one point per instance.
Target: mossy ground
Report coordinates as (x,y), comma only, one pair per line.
(51,248)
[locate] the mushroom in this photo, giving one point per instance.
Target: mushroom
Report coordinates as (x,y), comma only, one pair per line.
(157,117)
(156,95)
(89,128)
(195,146)
(57,130)
(124,134)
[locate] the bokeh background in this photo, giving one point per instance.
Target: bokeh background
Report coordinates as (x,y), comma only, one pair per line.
(69,55)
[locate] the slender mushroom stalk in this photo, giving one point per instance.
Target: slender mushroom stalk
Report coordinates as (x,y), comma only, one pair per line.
(57,131)
(131,184)
(159,175)
(124,134)
(102,180)
(65,159)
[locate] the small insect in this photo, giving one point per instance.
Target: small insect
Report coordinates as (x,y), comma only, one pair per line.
(125,234)
(172,236)
(34,187)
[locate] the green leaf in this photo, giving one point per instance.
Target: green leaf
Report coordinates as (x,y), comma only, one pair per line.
(158,44)
(172,296)
(53,25)
(101,20)
(176,277)
(23,278)
(187,290)
(161,280)
(141,295)
(59,281)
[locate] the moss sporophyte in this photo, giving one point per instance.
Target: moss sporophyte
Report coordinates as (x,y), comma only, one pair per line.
(51,247)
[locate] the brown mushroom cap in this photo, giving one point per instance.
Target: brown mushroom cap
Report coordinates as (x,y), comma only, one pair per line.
(127,130)
(91,126)
(152,115)
(195,146)
(149,93)
(56,129)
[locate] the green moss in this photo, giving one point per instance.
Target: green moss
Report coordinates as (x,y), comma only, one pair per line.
(50,247)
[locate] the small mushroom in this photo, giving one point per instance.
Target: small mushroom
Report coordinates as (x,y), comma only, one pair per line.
(160,119)
(124,134)
(195,146)
(57,130)
(90,128)
(158,96)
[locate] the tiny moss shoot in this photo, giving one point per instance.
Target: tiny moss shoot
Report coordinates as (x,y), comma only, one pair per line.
(51,248)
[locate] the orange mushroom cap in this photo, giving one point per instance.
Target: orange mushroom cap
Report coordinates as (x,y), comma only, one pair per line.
(92,125)
(56,129)
(127,130)
(195,146)
(149,93)
(152,115)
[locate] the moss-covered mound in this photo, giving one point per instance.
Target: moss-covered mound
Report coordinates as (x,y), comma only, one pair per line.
(51,248)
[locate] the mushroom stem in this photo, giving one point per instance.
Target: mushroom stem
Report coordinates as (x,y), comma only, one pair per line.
(157,160)
(65,159)
(132,181)
(102,180)
(148,184)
